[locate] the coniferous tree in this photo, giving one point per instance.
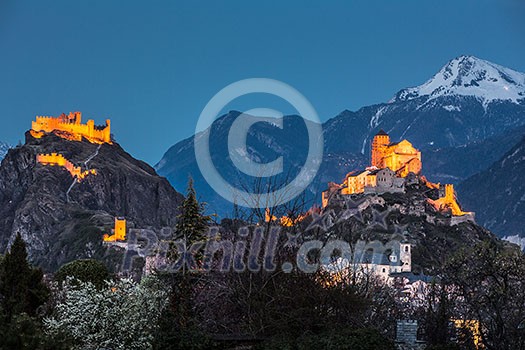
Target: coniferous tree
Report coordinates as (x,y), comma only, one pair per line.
(21,286)
(192,223)
(22,292)
(178,328)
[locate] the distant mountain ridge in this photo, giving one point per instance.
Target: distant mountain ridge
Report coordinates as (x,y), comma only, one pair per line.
(455,164)
(462,119)
(4,147)
(498,193)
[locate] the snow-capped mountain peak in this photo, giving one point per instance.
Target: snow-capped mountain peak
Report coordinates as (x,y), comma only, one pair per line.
(470,76)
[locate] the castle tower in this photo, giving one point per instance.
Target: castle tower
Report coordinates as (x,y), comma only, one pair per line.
(91,128)
(107,131)
(449,193)
(77,117)
(379,143)
(120,229)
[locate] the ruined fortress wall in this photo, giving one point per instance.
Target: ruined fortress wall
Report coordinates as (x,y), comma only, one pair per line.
(73,126)
(60,160)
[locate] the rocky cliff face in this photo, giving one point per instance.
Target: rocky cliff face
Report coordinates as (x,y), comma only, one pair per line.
(434,235)
(61,221)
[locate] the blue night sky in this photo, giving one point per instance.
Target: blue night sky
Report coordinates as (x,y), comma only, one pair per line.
(152,66)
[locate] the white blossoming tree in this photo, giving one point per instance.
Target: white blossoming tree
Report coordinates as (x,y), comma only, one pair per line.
(123,315)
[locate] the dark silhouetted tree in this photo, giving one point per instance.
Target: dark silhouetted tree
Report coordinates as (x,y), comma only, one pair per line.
(178,328)
(22,292)
(21,287)
(192,222)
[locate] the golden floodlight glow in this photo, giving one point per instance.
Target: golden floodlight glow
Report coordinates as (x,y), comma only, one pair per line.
(55,159)
(119,231)
(72,128)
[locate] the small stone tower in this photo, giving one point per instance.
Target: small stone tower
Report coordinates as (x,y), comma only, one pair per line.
(119,232)
(379,143)
(120,229)
(449,193)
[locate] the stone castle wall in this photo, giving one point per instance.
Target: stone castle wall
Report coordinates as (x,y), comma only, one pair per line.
(55,159)
(72,124)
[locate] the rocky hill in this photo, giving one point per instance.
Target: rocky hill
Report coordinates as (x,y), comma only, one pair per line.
(498,193)
(61,220)
(433,234)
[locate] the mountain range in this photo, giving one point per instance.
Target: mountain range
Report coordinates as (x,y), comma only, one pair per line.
(468,121)
(463,119)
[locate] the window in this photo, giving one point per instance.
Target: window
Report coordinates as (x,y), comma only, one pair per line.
(406,249)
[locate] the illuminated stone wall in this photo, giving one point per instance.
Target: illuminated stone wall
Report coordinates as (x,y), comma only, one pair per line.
(55,159)
(448,202)
(72,124)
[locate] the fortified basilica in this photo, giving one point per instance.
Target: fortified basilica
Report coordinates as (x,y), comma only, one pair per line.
(393,165)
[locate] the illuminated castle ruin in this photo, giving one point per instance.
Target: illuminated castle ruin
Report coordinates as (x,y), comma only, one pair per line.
(55,159)
(71,124)
(119,231)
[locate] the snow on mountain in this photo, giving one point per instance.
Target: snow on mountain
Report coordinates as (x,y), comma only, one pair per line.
(4,147)
(470,76)
(516,239)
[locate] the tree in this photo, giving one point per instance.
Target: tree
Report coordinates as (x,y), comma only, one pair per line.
(178,329)
(192,223)
(85,271)
(438,313)
(22,289)
(489,282)
(333,339)
(123,315)
(22,293)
